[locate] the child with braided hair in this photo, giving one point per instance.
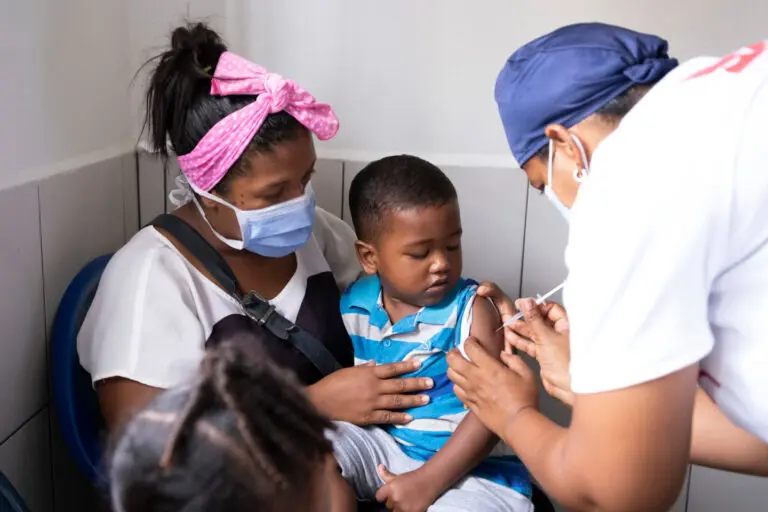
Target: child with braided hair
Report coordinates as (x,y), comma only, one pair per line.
(242,436)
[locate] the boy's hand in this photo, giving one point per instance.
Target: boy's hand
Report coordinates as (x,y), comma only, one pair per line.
(407,492)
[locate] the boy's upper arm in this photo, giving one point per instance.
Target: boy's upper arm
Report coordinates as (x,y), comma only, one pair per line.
(485,326)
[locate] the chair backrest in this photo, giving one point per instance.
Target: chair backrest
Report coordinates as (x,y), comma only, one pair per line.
(76,403)
(10,500)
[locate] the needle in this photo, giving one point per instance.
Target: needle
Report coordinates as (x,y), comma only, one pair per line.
(539,300)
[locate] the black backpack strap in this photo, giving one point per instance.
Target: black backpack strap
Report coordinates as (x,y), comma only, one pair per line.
(256,307)
(265,314)
(200,248)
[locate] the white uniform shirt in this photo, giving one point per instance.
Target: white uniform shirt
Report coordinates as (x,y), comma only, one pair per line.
(154,310)
(668,248)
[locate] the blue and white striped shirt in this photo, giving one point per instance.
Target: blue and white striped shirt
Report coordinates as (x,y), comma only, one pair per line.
(427,335)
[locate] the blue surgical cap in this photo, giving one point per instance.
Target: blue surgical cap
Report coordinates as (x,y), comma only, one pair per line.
(569,74)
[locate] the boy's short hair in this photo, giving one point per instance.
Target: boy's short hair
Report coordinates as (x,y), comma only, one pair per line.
(395,183)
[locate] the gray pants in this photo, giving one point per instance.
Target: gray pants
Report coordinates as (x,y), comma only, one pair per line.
(359,451)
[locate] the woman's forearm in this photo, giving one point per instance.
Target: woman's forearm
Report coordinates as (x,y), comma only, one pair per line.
(120,399)
(626,450)
(317,397)
(540,443)
(718,443)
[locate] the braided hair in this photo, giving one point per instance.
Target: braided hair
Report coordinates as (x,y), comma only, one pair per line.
(242,437)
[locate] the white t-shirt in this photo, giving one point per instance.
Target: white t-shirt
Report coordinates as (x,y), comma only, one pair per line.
(154,310)
(668,248)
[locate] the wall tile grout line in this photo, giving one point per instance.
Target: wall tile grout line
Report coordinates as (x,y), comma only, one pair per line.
(25,423)
(525,233)
(688,487)
(165,185)
(343,183)
(42,274)
(138,185)
(46,335)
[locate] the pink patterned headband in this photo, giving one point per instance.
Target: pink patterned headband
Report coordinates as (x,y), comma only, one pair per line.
(218,150)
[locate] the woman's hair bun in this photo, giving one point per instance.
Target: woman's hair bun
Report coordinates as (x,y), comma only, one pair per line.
(179,85)
(180,108)
(198,45)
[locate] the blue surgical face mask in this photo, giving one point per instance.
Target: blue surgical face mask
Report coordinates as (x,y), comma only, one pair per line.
(274,231)
(578,175)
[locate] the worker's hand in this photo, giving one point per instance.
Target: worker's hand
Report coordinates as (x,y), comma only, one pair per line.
(495,392)
(543,333)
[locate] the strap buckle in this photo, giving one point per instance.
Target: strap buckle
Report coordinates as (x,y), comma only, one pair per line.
(258,308)
(263,319)
(265,314)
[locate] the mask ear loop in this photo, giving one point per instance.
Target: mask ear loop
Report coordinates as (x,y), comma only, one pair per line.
(579,175)
(551,160)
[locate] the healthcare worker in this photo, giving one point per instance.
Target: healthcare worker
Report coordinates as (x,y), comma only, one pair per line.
(663,172)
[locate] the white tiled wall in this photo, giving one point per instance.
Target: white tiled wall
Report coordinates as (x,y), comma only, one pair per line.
(715,491)
(81,216)
(546,235)
(26,460)
(328,184)
(23,385)
(152,183)
(130,180)
(50,230)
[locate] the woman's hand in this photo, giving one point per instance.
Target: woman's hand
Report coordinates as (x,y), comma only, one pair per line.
(496,393)
(370,395)
(543,334)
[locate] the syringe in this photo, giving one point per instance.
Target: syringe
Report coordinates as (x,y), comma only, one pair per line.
(539,300)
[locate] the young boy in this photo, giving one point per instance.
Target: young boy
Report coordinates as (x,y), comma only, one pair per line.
(414,304)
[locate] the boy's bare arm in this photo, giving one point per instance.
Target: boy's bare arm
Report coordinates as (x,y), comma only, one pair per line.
(471,442)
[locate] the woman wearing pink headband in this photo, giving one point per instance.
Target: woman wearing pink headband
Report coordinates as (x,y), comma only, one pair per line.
(247,238)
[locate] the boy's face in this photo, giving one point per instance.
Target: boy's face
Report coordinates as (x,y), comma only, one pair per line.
(417,254)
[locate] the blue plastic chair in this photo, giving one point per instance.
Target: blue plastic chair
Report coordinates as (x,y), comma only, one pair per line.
(74,398)
(10,500)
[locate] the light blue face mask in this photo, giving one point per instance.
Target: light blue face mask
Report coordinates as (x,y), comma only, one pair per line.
(578,175)
(274,231)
